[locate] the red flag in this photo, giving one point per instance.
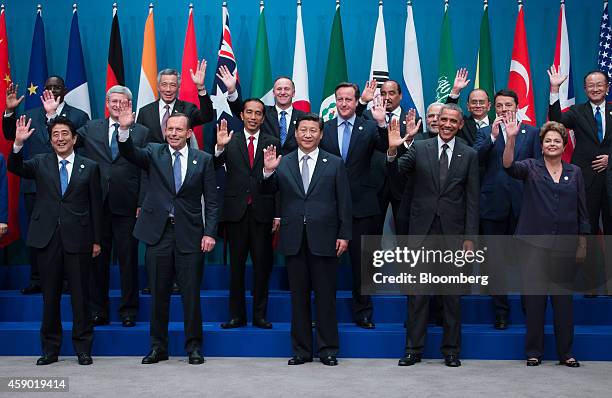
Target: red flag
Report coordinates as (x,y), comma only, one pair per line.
(519,79)
(5,145)
(114,68)
(188,90)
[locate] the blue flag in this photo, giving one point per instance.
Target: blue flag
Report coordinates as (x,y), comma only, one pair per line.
(76,79)
(37,73)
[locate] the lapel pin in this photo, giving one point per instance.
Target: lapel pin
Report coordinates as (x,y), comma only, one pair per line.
(523,131)
(195,161)
(324,160)
(82,166)
(64,115)
(566,178)
(296,120)
(404,122)
(458,155)
(360,127)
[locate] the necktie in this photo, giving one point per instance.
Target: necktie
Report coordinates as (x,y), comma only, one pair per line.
(389,117)
(443,165)
(165,120)
(305,173)
(63,176)
(114,147)
(600,135)
(283,127)
(251,149)
(176,167)
(346,139)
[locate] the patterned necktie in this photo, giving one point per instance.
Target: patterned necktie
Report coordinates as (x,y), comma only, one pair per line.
(63,176)
(346,139)
(600,135)
(305,173)
(443,165)
(389,117)
(114,147)
(165,120)
(176,167)
(251,150)
(283,127)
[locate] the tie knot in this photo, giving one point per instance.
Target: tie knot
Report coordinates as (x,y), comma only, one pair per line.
(167,107)
(252,138)
(116,126)
(177,154)
(64,162)
(597,108)
(444,147)
(283,113)
(305,157)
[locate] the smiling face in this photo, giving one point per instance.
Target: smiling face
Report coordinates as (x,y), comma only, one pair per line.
(505,106)
(177,132)
(346,102)
(308,135)
(433,113)
(62,140)
(596,87)
(168,88)
(552,144)
(478,104)
(283,92)
(113,103)
(252,116)
(57,87)
(450,121)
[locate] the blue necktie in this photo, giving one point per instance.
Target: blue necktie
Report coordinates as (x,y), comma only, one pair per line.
(600,135)
(114,148)
(283,127)
(63,176)
(177,171)
(346,139)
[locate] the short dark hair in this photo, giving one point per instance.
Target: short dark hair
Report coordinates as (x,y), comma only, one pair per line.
(284,77)
(399,86)
(554,126)
(61,120)
(253,99)
(506,92)
(348,85)
(595,71)
(58,77)
(179,114)
(310,117)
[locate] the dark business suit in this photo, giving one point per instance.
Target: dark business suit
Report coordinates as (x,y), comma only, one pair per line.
(469,130)
(366,138)
(3,192)
(311,222)
(120,181)
(248,215)
(174,244)
(36,144)
(63,229)
(450,209)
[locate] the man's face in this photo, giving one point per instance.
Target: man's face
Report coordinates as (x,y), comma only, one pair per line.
(283,93)
(177,132)
(113,103)
(433,113)
(57,88)
(390,94)
(505,106)
(346,102)
(449,123)
(62,140)
(596,88)
(168,88)
(308,135)
(252,115)
(478,104)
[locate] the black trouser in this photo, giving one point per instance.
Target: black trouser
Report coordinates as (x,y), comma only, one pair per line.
(164,262)
(55,263)
(385,197)
(305,270)
(117,234)
(594,269)
(249,236)
(29,200)
(362,304)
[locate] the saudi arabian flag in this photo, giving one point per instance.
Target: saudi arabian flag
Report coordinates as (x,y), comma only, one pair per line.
(484,64)
(446,71)
(335,72)
(261,83)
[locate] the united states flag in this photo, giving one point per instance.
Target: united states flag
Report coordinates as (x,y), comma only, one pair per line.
(604,59)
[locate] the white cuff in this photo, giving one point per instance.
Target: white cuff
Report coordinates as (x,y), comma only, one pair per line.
(17,148)
(123,135)
(554,97)
(233,96)
(267,175)
(218,151)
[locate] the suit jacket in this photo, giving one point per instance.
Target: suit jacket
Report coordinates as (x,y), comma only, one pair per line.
(324,212)
(3,192)
(120,179)
(149,115)
(241,181)
(366,138)
(469,130)
(580,119)
(162,196)
(455,203)
(500,194)
(39,141)
(77,214)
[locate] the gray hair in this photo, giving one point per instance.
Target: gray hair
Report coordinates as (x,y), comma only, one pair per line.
(119,90)
(433,104)
(169,72)
(452,107)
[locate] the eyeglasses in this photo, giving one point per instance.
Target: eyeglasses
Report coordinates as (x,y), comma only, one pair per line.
(168,85)
(596,86)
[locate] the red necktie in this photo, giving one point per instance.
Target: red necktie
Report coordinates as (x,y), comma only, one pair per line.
(251,149)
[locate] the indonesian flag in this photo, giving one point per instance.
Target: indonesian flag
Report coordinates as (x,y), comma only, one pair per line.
(519,79)
(562,63)
(114,68)
(301,100)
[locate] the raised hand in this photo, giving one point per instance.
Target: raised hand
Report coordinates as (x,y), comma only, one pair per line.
(228,78)
(368,91)
(395,136)
(223,137)
(126,116)
(271,162)
(411,127)
(461,81)
(495,126)
(556,78)
(49,102)
(12,101)
(22,130)
(199,75)
(379,112)
(3,229)
(512,125)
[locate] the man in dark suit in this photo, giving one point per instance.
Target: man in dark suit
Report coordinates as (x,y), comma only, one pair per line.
(247,213)
(315,229)
(444,202)
(53,105)
(121,190)
(172,226)
(355,139)
(501,195)
(592,125)
(3,198)
(65,231)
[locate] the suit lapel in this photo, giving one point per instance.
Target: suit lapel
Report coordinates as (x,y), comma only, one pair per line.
(77,169)
(53,166)
(192,164)
(294,168)
(242,146)
(435,162)
(608,116)
(157,122)
(262,143)
(272,117)
(333,137)
(103,137)
(455,164)
(166,166)
(318,171)
(587,112)
(355,136)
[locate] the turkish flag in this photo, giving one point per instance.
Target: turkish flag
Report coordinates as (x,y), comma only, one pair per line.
(519,79)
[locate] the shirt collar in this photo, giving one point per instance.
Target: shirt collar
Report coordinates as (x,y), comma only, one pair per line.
(397,111)
(60,108)
(184,151)
(288,110)
(69,158)
(111,121)
(451,143)
(602,107)
(247,135)
(351,120)
(313,155)
(484,119)
(162,105)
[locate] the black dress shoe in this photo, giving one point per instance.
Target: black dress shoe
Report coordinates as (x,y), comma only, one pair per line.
(533,362)
(46,360)
(409,360)
(195,358)
(176,289)
(31,289)
(329,360)
(146,290)
(452,361)
(501,323)
(128,322)
(153,357)
(233,323)
(570,363)
(99,320)
(298,360)
(84,359)
(262,324)
(365,323)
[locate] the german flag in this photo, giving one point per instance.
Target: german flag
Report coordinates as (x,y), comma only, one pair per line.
(114,68)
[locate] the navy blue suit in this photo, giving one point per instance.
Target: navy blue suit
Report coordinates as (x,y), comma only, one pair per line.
(3,192)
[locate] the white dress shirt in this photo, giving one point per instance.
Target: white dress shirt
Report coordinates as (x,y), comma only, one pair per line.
(70,159)
(482,123)
(111,129)
(312,161)
(449,150)
(287,116)
(246,138)
(183,158)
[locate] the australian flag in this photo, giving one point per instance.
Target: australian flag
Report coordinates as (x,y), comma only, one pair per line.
(37,73)
(604,59)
